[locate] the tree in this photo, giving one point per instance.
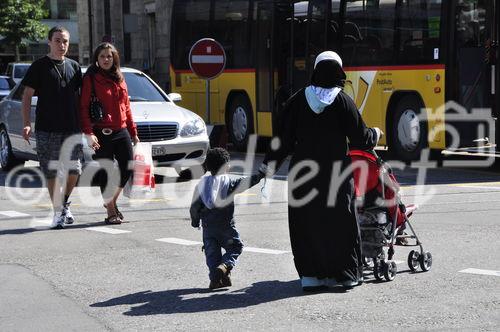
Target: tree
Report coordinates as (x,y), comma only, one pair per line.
(21,22)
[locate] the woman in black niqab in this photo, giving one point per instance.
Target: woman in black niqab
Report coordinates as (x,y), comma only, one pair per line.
(315,126)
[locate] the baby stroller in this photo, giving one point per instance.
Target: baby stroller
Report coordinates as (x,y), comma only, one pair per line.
(383,218)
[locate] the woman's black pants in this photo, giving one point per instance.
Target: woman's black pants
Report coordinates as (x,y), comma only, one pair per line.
(116,146)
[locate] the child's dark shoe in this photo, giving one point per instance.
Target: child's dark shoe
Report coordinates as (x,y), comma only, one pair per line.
(226,280)
(220,271)
(215,284)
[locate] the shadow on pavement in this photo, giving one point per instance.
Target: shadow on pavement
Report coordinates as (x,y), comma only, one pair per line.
(172,301)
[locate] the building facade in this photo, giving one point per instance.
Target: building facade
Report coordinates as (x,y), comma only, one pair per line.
(59,12)
(140,29)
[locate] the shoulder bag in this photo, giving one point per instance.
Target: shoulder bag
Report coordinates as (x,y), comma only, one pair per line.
(96,110)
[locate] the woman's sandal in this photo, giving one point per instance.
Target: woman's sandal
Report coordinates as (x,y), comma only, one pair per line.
(118,213)
(113,220)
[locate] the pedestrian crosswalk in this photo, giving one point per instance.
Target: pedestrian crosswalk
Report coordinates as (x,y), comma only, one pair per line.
(42,223)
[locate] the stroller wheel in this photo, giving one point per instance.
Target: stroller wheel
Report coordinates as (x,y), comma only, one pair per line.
(378,269)
(425,261)
(390,270)
(413,260)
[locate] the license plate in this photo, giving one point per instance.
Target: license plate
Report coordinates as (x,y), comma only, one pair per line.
(158,151)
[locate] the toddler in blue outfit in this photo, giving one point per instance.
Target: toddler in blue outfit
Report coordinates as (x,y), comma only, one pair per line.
(213,206)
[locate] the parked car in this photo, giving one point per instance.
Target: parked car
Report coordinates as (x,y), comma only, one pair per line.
(17,70)
(178,136)
(6,84)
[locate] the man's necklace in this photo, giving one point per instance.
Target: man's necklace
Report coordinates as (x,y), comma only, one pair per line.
(63,76)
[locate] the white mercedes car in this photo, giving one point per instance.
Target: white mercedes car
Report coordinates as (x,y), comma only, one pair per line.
(178,136)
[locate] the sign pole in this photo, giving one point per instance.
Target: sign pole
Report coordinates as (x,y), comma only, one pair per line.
(208,101)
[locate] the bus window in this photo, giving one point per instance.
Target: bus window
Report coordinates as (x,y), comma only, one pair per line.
(189,24)
(231,28)
(472,33)
(299,45)
(369,32)
(317,28)
(471,24)
(333,27)
(418,31)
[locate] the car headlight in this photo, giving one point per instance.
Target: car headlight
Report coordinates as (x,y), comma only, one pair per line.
(193,128)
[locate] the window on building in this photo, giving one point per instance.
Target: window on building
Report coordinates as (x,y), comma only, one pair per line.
(61,9)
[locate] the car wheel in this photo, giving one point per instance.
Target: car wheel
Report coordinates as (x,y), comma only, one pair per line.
(239,122)
(408,135)
(7,158)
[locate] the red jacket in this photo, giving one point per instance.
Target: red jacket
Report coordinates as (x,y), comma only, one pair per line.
(114,99)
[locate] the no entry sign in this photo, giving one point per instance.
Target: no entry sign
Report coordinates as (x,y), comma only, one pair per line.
(207,58)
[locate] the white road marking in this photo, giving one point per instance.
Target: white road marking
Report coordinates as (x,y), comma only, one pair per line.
(483,272)
(399,262)
(175,240)
(107,230)
(178,241)
(265,251)
(13,214)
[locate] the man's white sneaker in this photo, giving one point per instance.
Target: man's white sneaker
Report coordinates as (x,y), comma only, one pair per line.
(58,221)
(69,219)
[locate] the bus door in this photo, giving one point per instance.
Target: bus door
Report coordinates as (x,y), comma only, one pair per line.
(271,66)
(473,40)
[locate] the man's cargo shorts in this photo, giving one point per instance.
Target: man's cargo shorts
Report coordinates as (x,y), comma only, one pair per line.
(59,152)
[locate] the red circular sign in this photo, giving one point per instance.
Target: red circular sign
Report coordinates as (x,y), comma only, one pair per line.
(207,58)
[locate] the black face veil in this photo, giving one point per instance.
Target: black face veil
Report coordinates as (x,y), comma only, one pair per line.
(328,74)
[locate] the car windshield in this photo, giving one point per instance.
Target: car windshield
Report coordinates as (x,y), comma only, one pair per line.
(20,71)
(4,84)
(140,88)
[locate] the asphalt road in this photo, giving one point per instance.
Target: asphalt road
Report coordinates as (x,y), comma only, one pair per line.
(149,273)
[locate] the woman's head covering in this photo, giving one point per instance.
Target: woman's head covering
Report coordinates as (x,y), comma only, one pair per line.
(328,72)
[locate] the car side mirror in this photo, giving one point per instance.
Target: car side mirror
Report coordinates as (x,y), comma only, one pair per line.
(34,100)
(175,96)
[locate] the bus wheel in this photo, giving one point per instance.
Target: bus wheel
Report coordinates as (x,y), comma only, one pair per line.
(239,122)
(408,135)
(7,158)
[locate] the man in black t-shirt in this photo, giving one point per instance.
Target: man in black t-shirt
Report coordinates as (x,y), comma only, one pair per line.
(56,81)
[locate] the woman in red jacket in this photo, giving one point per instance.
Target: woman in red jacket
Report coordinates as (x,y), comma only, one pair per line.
(111,137)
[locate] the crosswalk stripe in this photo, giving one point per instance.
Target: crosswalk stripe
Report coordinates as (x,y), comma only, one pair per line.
(265,251)
(483,272)
(175,240)
(13,214)
(179,241)
(107,230)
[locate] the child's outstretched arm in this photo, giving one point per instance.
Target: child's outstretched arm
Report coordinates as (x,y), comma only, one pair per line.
(196,208)
(243,183)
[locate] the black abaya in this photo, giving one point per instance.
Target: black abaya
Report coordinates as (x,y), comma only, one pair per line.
(325,239)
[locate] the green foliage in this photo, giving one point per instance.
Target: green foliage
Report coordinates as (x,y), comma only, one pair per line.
(20,21)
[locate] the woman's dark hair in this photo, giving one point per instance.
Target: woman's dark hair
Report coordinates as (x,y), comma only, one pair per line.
(216,158)
(328,74)
(114,72)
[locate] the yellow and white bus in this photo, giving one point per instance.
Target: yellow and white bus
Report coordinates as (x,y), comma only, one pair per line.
(404,60)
